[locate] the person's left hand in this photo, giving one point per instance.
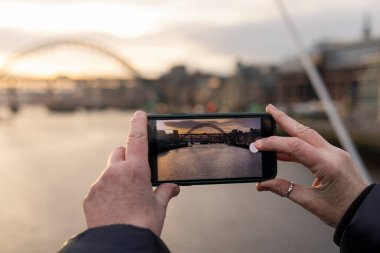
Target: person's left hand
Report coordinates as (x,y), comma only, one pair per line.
(123,193)
(337,180)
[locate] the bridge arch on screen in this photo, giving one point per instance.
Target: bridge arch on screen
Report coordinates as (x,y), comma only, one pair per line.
(190,132)
(204,125)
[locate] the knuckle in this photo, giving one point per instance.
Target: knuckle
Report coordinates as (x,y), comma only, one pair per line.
(137,121)
(86,201)
(138,145)
(303,130)
(312,131)
(90,195)
(345,156)
(263,143)
(110,174)
(137,131)
(337,161)
(136,135)
(295,145)
(342,156)
(270,142)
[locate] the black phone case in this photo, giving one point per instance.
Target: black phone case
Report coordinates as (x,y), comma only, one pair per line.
(269,157)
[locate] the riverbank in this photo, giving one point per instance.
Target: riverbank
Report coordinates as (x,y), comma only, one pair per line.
(163,146)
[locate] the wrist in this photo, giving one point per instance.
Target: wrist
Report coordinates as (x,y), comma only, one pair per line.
(148,223)
(140,222)
(116,237)
(350,212)
(343,202)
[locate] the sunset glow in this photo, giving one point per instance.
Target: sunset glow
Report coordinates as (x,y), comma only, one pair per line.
(155,35)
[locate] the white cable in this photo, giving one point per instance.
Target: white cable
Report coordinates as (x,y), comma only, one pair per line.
(320,89)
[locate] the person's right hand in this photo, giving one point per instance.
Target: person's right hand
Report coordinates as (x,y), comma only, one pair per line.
(337,181)
(123,193)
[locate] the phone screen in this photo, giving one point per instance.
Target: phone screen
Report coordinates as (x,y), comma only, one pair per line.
(198,149)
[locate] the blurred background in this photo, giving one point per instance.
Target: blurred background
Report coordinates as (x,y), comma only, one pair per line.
(73,72)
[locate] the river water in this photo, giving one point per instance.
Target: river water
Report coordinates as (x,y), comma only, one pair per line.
(208,161)
(48,162)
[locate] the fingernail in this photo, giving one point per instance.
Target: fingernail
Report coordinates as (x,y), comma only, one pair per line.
(139,113)
(271,107)
(260,187)
(176,191)
(258,144)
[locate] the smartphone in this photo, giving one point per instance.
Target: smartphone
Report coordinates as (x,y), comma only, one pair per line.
(194,149)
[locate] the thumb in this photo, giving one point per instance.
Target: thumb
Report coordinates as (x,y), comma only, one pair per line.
(165,192)
(300,194)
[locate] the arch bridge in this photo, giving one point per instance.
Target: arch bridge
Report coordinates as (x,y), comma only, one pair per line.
(221,137)
(203,125)
(92,96)
(69,42)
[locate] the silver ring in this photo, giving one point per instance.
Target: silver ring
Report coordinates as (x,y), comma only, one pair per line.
(291,187)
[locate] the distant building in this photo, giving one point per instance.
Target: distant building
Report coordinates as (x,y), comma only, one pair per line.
(175,88)
(350,71)
(250,88)
(175,135)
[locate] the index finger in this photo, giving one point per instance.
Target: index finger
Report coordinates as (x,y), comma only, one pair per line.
(296,129)
(296,149)
(137,142)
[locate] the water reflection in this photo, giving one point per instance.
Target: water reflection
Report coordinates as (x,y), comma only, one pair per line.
(208,161)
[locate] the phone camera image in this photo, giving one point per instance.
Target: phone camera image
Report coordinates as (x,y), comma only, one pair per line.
(205,149)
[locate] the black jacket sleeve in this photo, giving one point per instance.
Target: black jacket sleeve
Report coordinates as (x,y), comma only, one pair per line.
(359,229)
(115,239)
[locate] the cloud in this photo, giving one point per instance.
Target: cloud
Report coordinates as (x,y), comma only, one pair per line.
(208,39)
(266,40)
(14,39)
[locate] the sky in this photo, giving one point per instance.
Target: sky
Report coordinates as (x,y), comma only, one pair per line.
(153,35)
(242,124)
